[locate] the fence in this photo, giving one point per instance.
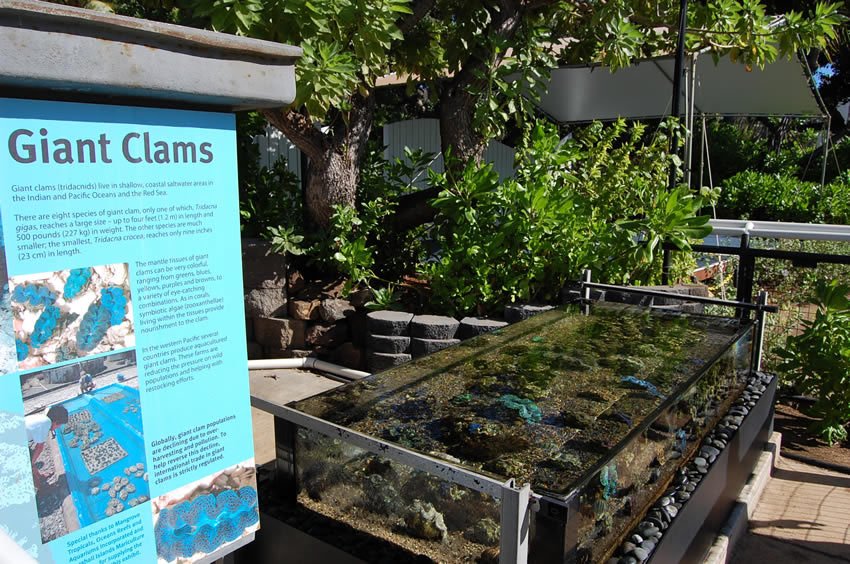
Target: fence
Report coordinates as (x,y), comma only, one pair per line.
(423,134)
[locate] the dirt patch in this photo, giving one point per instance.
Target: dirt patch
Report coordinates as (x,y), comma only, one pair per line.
(798,440)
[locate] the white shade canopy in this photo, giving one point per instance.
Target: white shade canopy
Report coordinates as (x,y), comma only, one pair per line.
(645,90)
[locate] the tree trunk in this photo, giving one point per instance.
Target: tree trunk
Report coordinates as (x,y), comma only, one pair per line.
(332,181)
(459,101)
(457,133)
(334,155)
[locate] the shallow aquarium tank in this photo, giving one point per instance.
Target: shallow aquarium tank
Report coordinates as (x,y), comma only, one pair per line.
(594,410)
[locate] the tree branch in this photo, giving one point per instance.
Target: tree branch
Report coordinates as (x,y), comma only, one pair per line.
(299,129)
(413,210)
(420,10)
(361,118)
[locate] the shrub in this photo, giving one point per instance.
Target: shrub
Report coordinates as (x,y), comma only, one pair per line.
(779,197)
(818,360)
(599,201)
(835,202)
(772,197)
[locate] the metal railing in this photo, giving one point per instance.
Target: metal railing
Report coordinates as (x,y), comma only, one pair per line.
(748,247)
(748,230)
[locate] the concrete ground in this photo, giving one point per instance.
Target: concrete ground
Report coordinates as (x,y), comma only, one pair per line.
(279,387)
(803,517)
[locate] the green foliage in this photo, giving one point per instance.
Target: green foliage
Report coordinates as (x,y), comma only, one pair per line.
(757,195)
(284,240)
(157,10)
(770,145)
(358,244)
(384,299)
(502,51)
(837,162)
(352,255)
(834,204)
(395,253)
(781,197)
(818,360)
(380,178)
(597,201)
(347,247)
(271,197)
(671,218)
(789,286)
(619,31)
(267,197)
(347,43)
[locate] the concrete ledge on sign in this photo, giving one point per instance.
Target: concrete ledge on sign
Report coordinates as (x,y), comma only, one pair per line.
(77,54)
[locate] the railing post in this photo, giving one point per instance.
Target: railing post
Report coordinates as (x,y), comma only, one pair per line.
(587,277)
(758,338)
(515,526)
(746,272)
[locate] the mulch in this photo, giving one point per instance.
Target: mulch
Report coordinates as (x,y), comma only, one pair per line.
(799,442)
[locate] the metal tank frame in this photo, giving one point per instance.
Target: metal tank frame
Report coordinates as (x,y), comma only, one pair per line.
(521,508)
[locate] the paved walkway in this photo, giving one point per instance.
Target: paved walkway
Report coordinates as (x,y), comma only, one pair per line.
(280,387)
(803,517)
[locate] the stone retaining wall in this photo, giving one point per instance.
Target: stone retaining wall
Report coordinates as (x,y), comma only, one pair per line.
(290,317)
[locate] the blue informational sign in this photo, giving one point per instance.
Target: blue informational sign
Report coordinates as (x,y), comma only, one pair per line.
(125,424)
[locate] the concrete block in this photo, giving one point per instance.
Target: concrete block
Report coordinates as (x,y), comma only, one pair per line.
(359,297)
(279,333)
(295,282)
(358,325)
(685,307)
(474,326)
(420,347)
(392,323)
(514,313)
(307,310)
(433,327)
(277,352)
(332,310)
(255,351)
(329,335)
(265,302)
(260,267)
(348,355)
(388,344)
(382,361)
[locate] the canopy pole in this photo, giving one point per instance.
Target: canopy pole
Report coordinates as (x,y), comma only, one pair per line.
(676,111)
(702,154)
(692,96)
(680,57)
(825,150)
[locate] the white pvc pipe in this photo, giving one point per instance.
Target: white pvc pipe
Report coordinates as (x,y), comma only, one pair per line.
(308,363)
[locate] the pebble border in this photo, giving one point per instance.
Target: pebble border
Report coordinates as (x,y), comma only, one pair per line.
(649,532)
